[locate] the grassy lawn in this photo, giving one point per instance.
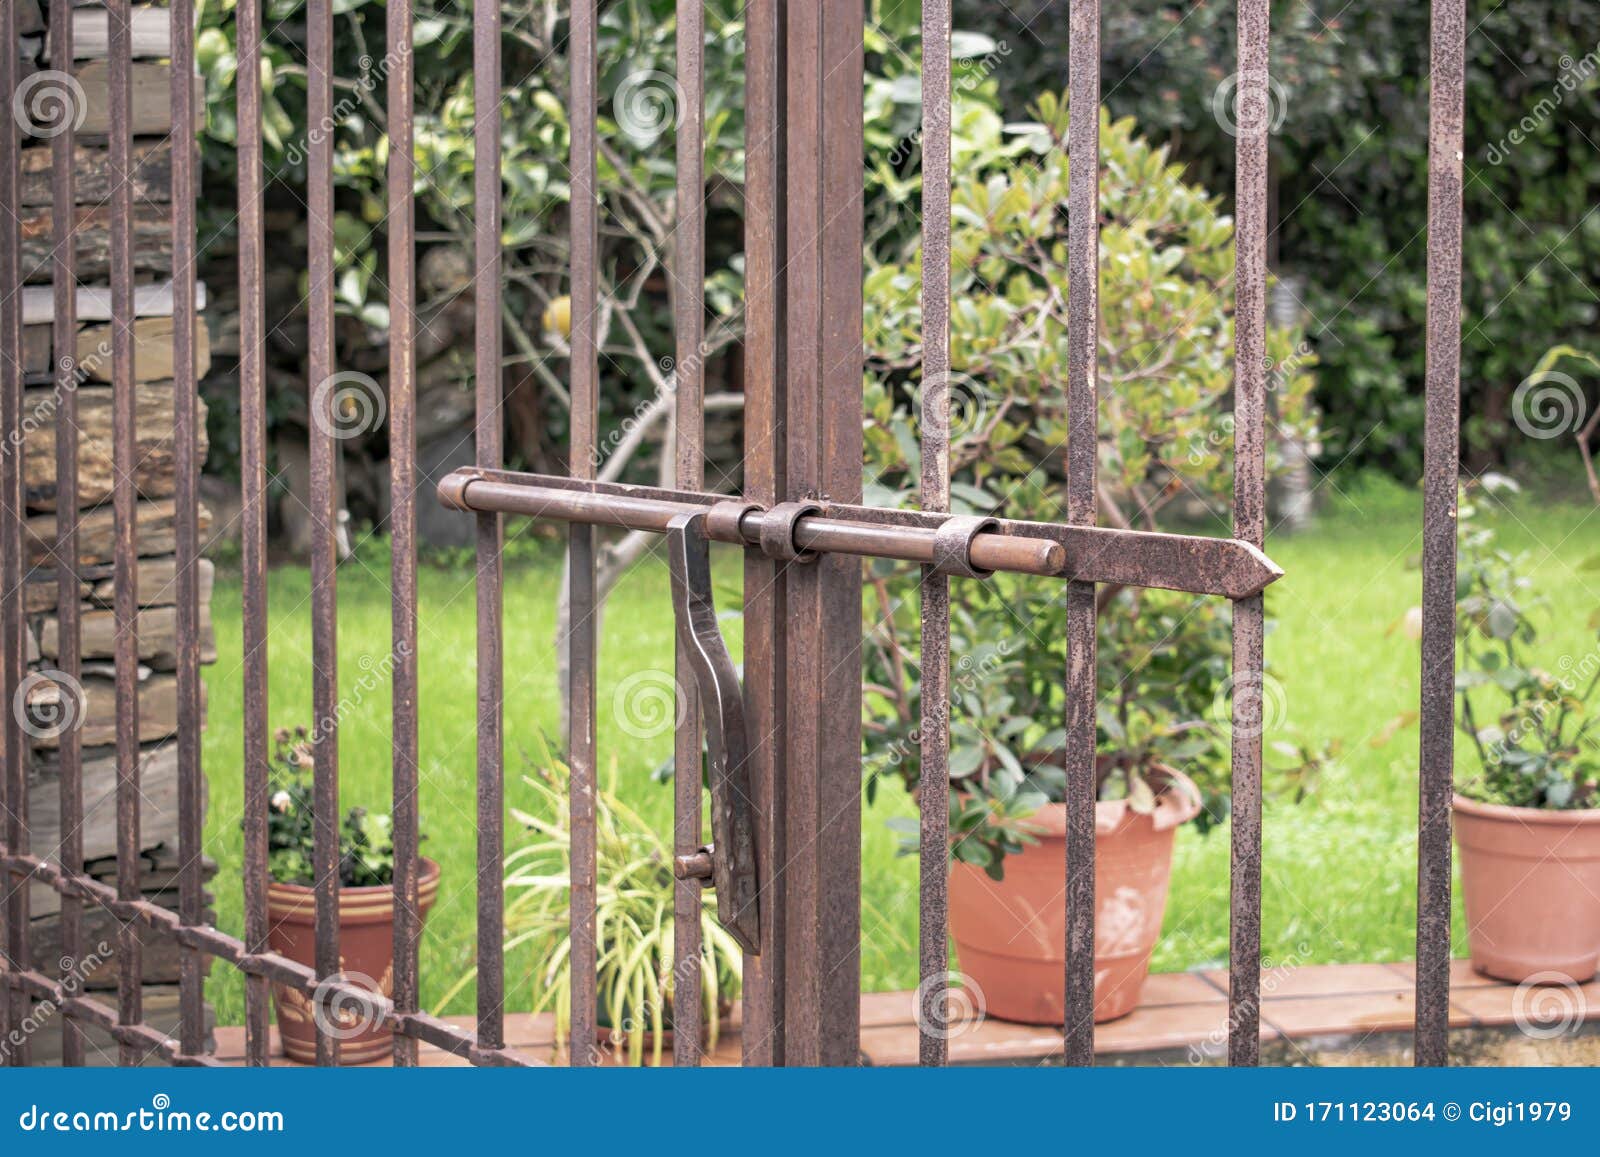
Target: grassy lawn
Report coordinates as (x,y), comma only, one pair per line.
(1339,869)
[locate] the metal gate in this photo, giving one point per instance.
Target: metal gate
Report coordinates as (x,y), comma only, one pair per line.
(786,747)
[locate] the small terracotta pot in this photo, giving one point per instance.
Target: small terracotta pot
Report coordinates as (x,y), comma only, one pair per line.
(1010,934)
(366,957)
(1530,881)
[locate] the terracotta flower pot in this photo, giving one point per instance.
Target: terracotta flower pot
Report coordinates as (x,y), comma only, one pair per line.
(1530,880)
(1011,934)
(366,956)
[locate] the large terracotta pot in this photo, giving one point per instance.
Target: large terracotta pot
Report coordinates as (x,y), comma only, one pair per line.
(1530,880)
(1011,934)
(366,957)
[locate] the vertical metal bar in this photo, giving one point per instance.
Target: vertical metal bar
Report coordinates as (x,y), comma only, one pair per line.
(1083,321)
(934,780)
(580,543)
(491,742)
(824,450)
(324,501)
(764,471)
(400,184)
(252,515)
(185,402)
(12,656)
(125,504)
(688,307)
(64,348)
(1441,473)
(1253,121)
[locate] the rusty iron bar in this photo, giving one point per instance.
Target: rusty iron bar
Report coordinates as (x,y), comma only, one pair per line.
(764,473)
(581,593)
(487,548)
(470,490)
(399,184)
(821,427)
(186,500)
(1253,123)
(933,952)
(269,967)
(1441,474)
(252,517)
(12,655)
(63,190)
(125,501)
(141,1038)
(688,272)
(1083,276)
(324,505)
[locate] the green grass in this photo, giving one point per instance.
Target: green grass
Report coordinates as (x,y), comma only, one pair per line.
(1339,870)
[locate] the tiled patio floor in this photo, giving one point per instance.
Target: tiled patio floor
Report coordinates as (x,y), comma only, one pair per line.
(1182,1016)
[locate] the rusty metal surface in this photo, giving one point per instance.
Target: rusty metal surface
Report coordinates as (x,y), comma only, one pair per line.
(186,500)
(63,189)
(688,377)
(324,503)
(1083,319)
(1441,470)
(253,518)
(733,867)
(581,625)
(933,796)
(822,431)
(12,657)
(402,278)
(125,504)
(487,435)
(764,472)
(1250,524)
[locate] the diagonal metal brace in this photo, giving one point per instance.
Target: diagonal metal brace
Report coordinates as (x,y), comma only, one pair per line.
(733,849)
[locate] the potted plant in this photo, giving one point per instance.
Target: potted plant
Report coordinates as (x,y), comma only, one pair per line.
(636,982)
(366,908)
(1527,816)
(1165,450)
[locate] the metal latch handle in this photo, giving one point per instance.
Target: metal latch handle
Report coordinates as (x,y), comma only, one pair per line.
(732,853)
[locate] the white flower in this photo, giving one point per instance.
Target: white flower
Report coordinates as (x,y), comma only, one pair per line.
(281,801)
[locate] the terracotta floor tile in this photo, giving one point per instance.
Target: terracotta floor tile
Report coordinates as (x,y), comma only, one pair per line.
(1462,974)
(1179,988)
(1547,1009)
(1351,1013)
(1319,980)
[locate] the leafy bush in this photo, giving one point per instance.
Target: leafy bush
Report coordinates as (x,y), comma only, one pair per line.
(1350,93)
(1540,746)
(1166,444)
(366,838)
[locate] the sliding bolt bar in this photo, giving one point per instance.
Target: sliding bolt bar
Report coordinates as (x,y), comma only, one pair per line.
(811,533)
